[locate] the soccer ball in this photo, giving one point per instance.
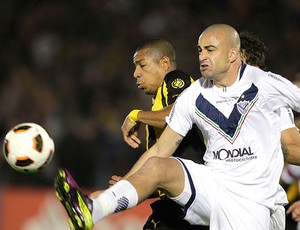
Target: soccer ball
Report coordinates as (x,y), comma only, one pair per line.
(28,148)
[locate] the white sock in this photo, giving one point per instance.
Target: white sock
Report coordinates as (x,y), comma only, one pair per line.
(118,197)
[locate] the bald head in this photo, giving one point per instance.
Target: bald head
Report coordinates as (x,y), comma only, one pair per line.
(227,33)
(219,54)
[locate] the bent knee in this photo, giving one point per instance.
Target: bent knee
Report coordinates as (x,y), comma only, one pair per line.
(160,165)
(168,171)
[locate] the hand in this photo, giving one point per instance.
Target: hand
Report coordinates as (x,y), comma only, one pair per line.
(295,210)
(130,133)
(114,179)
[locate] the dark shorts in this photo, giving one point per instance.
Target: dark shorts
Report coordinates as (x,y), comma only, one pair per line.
(166,216)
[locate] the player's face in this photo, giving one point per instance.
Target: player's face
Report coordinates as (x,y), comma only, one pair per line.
(213,55)
(148,72)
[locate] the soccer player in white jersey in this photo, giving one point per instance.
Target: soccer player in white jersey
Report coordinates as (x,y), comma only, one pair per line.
(233,106)
(253,52)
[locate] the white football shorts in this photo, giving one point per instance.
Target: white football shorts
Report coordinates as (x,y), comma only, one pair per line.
(278,219)
(207,202)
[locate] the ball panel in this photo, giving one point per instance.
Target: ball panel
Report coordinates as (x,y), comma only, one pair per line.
(6,148)
(38,143)
(21,128)
(23,161)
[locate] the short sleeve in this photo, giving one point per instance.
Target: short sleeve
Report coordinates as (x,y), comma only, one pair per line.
(286,118)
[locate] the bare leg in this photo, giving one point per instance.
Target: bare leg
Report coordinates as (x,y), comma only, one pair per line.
(164,173)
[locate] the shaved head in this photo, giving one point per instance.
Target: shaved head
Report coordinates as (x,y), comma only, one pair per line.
(228,33)
(219,54)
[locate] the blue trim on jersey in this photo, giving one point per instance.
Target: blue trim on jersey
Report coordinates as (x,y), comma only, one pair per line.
(227,127)
(243,67)
(193,190)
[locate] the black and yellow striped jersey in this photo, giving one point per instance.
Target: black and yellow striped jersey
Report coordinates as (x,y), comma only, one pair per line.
(192,146)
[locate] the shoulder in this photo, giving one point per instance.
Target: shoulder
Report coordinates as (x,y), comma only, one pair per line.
(254,73)
(178,80)
(178,76)
(194,89)
(258,75)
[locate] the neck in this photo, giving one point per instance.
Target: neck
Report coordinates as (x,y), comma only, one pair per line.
(229,77)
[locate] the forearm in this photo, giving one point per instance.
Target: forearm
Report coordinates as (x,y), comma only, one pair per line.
(164,147)
(290,139)
(140,162)
(153,118)
(291,154)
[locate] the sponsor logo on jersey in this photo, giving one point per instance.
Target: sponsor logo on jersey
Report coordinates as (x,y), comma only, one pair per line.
(291,115)
(171,115)
(274,76)
(227,100)
(234,155)
(177,83)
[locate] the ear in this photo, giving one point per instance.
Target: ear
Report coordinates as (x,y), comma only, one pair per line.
(165,62)
(233,54)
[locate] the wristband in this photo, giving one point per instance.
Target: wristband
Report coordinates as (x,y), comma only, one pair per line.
(133,115)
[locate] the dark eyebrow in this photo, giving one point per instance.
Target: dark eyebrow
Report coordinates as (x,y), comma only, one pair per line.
(206,47)
(138,62)
(209,46)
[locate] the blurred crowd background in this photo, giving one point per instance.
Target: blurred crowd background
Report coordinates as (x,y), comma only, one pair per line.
(67,65)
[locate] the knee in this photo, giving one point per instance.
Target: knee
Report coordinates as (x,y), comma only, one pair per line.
(167,174)
(160,167)
(155,165)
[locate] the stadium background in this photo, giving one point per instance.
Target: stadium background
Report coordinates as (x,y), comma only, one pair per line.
(67,65)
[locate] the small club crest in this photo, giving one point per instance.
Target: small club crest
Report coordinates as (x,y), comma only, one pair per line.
(243,107)
(177,83)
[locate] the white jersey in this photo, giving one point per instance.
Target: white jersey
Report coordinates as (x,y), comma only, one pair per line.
(241,130)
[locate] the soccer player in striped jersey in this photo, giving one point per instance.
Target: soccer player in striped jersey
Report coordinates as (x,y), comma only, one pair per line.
(233,104)
(157,75)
